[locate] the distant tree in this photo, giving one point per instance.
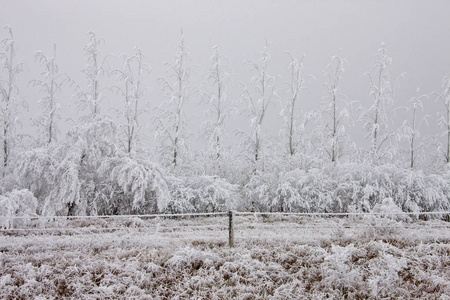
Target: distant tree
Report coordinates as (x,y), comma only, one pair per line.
(132,91)
(257,103)
(50,85)
(289,113)
(219,107)
(377,117)
(10,99)
(171,120)
(444,117)
(91,97)
(411,130)
(335,110)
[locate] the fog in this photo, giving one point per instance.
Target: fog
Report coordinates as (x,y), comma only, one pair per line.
(415,33)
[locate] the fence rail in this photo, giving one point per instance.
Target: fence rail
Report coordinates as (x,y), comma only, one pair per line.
(235,222)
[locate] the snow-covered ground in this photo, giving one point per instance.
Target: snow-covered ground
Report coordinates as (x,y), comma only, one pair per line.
(275,257)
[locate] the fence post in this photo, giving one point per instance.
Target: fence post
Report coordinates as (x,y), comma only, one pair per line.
(231,228)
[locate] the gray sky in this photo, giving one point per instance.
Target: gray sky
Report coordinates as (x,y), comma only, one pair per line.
(416,33)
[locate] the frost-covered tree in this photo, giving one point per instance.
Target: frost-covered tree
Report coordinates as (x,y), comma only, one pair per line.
(444,117)
(131,75)
(377,118)
(10,99)
(50,86)
(35,171)
(87,174)
(91,97)
(219,107)
(289,113)
(256,105)
(335,110)
(411,129)
(79,186)
(171,119)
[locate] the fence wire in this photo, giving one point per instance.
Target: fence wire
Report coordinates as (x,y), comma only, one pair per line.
(247,225)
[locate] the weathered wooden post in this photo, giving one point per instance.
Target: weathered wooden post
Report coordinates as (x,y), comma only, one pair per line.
(231,228)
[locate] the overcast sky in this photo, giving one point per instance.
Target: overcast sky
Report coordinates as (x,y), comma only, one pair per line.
(416,33)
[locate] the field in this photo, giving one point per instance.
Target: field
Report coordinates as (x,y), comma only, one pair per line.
(274,257)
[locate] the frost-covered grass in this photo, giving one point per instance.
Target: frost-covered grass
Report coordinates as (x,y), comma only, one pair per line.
(276,257)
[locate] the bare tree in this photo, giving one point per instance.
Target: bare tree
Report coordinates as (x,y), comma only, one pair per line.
(132,91)
(9,93)
(258,102)
(170,121)
(49,86)
(377,117)
(296,85)
(335,109)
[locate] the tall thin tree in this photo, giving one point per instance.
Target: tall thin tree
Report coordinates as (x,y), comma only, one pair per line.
(50,86)
(335,110)
(9,93)
(377,117)
(91,97)
(131,75)
(219,107)
(411,130)
(297,84)
(444,117)
(257,103)
(170,121)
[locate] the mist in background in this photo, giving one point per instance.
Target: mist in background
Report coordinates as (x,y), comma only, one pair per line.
(415,33)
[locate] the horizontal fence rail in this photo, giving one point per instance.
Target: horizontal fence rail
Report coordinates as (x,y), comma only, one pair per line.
(116,216)
(226,213)
(343,214)
(241,225)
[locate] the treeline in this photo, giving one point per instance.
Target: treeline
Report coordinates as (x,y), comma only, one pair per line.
(104,165)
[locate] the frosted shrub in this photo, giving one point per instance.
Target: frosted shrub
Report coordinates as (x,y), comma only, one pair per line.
(34,170)
(294,191)
(337,187)
(18,203)
(189,257)
(290,290)
(384,280)
(260,191)
(304,191)
(366,186)
(202,194)
(339,271)
(391,210)
(139,187)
